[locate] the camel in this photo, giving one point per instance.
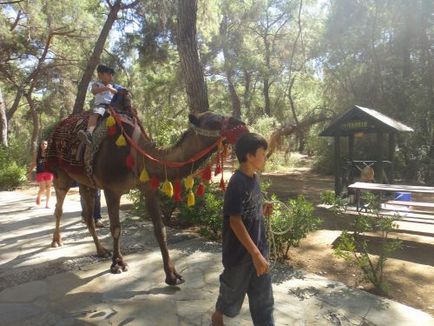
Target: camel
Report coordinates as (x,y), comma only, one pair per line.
(111,174)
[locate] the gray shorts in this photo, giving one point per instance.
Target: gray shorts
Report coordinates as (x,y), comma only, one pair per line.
(99,109)
(235,283)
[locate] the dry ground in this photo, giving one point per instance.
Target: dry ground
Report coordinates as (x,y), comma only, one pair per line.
(410,270)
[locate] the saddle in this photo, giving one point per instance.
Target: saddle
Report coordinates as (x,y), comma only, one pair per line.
(67,151)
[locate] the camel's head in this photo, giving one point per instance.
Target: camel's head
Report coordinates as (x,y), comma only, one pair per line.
(209,124)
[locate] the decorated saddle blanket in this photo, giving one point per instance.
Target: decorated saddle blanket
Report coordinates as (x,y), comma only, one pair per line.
(66,149)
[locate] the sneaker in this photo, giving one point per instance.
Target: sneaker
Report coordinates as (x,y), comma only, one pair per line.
(85,137)
(99,224)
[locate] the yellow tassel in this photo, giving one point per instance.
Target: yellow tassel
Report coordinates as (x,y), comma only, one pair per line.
(168,188)
(110,122)
(189,182)
(121,141)
(191,201)
(144,176)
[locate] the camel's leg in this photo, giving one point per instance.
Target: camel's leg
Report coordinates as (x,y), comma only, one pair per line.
(88,195)
(113,202)
(152,204)
(62,183)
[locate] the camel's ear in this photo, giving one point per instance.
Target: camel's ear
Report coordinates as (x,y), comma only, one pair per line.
(193,119)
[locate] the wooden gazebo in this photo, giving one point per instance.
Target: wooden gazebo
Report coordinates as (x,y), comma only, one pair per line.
(358,122)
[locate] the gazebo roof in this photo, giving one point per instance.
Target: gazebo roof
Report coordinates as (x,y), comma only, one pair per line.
(363,119)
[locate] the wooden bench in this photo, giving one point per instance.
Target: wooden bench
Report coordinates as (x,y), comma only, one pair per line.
(380,187)
(410,203)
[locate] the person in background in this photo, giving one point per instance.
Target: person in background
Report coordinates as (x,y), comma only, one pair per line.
(245,249)
(96,210)
(44,178)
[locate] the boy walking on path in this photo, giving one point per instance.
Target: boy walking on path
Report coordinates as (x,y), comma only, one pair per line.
(245,249)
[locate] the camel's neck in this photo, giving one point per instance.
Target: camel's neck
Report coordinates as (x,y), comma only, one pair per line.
(189,145)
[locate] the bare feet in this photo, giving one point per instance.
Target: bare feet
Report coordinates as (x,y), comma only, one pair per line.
(38,200)
(217,319)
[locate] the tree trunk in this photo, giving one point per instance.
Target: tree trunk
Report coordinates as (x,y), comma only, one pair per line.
(15,105)
(247,82)
(3,122)
(36,125)
(188,54)
(94,58)
(266,89)
(236,103)
(266,92)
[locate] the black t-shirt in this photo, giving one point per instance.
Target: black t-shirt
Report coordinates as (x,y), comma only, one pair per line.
(243,198)
(40,163)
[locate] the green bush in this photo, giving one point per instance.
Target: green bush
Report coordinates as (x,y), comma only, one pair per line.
(12,170)
(139,205)
(324,157)
(12,176)
(354,246)
(289,224)
(337,204)
(206,213)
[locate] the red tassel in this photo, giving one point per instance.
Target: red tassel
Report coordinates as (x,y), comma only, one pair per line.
(129,162)
(206,173)
(177,189)
(218,169)
(222,184)
(154,182)
(177,197)
(200,191)
(111,131)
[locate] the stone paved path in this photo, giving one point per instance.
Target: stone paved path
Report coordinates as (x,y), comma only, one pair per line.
(40,285)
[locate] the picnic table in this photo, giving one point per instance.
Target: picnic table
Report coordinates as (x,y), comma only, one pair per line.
(358,187)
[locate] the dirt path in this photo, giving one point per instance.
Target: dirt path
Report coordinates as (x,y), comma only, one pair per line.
(410,271)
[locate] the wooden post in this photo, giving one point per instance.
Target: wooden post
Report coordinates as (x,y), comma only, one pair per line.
(379,171)
(391,156)
(338,170)
(351,156)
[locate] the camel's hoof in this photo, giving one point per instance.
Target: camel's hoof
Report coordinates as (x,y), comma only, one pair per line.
(117,268)
(56,244)
(178,281)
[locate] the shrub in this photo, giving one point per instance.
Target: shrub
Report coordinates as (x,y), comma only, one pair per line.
(354,246)
(12,170)
(289,224)
(206,213)
(337,204)
(11,176)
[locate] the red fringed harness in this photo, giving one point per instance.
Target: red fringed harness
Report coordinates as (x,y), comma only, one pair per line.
(230,134)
